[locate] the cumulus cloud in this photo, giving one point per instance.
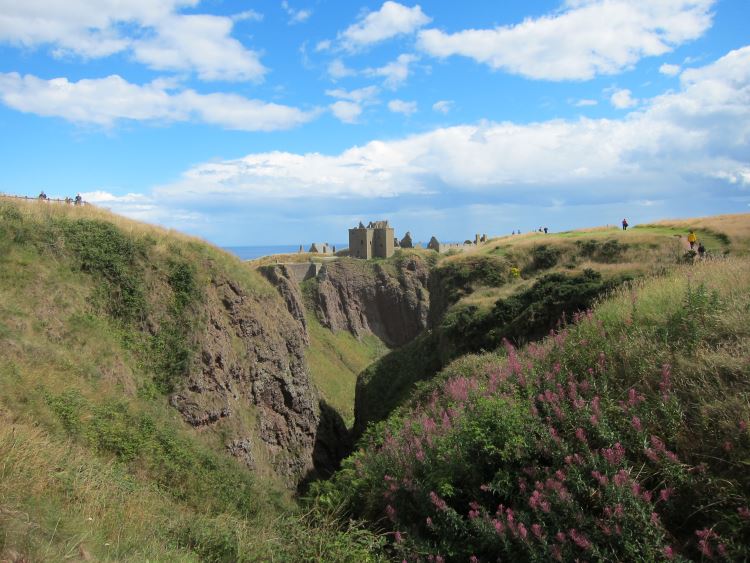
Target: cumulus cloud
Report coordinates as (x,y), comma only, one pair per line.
(585,102)
(623,99)
(684,138)
(152,31)
(396,72)
(201,43)
(105,101)
(338,70)
(390,20)
(349,107)
(400,106)
(443,106)
(347,112)
(295,16)
(669,70)
(584,39)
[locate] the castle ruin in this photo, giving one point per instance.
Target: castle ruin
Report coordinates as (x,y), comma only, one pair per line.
(376,240)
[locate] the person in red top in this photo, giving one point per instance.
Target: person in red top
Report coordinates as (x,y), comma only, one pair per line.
(624,224)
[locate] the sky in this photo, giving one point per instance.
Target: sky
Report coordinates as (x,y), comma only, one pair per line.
(287,122)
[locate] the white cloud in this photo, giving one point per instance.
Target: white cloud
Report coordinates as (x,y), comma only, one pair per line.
(687,138)
(400,106)
(337,70)
(152,31)
(391,20)
(623,99)
(347,112)
(349,107)
(669,70)
(201,43)
(323,45)
(366,94)
(584,39)
(443,106)
(585,103)
(396,72)
(105,101)
(295,16)
(248,15)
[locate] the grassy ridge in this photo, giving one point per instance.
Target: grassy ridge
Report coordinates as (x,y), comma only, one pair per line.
(623,437)
(99,318)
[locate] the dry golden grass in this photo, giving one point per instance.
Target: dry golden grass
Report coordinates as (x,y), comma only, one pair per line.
(735,226)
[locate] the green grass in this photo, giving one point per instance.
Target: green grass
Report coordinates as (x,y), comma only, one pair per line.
(335,359)
(100,318)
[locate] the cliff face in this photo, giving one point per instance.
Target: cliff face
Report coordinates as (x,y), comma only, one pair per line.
(389,301)
(252,353)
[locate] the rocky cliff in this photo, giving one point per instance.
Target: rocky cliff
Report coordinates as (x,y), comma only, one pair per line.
(389,300)
(252,355)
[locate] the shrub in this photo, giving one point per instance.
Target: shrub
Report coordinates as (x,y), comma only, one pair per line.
(596,444)
(544,257)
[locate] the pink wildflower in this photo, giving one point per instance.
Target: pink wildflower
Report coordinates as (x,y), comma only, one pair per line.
(615,454)
(722,550)
(556,553)
(664,494)
(560,536)
(655,519)
(742,425)
(657,443)
(397,536)
(621,478)
(603,479)
(391,512)
(499,527)
(428,521)
(669,552)
(636,422)
(437,501)
(473,559)
(536,529)
(522,531)
(581,435)
(744,512)
(579,539)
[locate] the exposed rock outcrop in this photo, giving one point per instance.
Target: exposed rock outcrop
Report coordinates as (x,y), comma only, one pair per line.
(252,356)
(389,301)
(280,277)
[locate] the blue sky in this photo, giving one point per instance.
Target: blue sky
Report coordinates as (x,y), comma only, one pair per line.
(290,121)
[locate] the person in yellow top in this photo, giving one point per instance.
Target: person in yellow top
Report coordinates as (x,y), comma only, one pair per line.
(692,239)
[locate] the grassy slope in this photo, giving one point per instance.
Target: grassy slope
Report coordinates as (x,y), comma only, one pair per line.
(641,251)
(92,459)
(335,359)
(590,419)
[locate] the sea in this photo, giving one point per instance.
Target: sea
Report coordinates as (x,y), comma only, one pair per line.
(253,252)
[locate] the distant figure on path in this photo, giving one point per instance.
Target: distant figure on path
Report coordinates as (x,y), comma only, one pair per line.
(545,230)
(79,199)
(43,196)
(624,224)
(701,249)
(692,239)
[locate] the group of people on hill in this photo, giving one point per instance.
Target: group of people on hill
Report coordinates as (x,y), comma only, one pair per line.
(544,230)
(78,200)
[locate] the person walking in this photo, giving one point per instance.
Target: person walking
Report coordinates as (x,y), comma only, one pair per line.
(692,239)
(624,224)
(701,250)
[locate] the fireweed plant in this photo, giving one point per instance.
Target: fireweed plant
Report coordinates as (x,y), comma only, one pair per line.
(621,436)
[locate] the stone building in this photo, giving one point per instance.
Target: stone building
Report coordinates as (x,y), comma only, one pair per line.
(373,241)
(322,248)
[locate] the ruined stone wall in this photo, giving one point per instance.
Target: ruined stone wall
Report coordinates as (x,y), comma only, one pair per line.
(382,246)
(360,243)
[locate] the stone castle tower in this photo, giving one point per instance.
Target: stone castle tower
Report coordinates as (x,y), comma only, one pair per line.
(373,241)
